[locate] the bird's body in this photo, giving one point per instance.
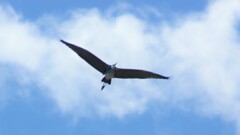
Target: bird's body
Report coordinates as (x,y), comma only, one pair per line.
(110,74)
(111,71)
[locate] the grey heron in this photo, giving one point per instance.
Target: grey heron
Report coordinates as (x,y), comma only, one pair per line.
(111,71)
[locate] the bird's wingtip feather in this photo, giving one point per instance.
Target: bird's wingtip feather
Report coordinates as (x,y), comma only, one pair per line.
(168,78)
(62,41)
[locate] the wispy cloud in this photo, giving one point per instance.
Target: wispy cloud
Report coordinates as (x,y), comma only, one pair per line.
(207,47)
(207,50)
(200,50)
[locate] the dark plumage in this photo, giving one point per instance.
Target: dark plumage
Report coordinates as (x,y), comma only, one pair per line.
(110,71)
(88,57)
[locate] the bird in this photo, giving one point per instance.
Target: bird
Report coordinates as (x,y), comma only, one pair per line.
(111,71)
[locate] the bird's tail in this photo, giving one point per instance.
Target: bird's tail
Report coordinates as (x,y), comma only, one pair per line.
(108,81)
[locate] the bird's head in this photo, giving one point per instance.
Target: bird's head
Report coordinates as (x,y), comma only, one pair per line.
(114,66)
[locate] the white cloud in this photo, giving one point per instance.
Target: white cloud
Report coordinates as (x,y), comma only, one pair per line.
(207,45)
(200,50)
(207,48)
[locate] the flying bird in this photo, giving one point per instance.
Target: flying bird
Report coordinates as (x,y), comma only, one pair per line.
(111,71)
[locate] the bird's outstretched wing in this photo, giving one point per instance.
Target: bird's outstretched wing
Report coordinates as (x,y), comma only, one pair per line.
(90,58)
(136,73)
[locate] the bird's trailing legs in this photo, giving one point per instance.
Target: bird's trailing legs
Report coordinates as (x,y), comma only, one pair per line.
(105,81)
(104,84)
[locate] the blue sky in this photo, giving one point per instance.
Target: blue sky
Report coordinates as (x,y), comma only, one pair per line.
(32,9)
(46,89)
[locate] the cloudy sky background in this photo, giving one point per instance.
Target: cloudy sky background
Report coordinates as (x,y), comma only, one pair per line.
(45,88)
